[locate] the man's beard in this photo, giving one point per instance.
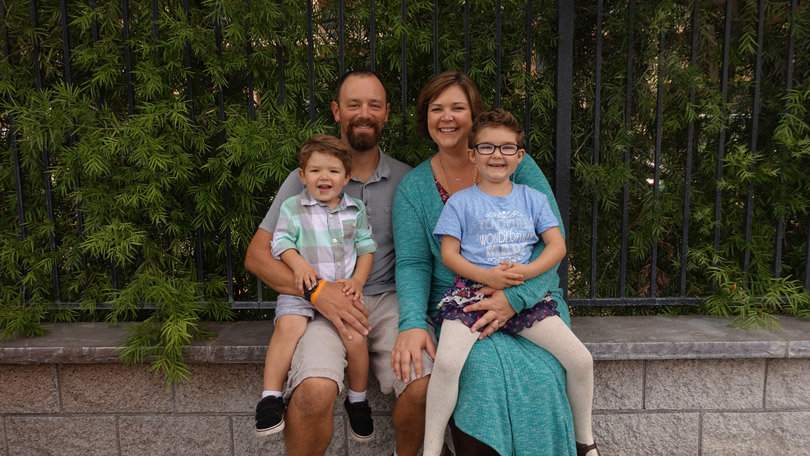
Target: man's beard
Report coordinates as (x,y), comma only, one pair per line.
(362,142)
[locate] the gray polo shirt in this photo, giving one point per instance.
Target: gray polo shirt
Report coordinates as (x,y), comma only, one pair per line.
(378,195)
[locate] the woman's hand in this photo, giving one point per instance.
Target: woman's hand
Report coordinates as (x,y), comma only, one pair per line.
(498,311)
(407,350)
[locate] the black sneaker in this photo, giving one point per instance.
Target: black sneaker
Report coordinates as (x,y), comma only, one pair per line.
(361,426)
(269,416)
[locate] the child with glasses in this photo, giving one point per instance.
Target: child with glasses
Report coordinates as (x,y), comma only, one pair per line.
(488,233)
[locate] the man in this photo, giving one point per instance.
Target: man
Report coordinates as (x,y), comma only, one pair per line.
(316,376)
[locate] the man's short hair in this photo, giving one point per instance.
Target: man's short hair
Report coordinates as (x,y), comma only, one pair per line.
(363,73)
(495,118)
(325,144)
(436,86)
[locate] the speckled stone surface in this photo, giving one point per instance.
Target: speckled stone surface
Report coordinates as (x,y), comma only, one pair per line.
(220,388)
(28,388)
(112,388)
(757,434)
(689,337)
(788,384)
(175,435)
(683,385)
(705,384)
(618,385)
(650,434)
(248,444)
(62,436)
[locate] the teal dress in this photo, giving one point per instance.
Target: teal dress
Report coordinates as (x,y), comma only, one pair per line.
(511,392)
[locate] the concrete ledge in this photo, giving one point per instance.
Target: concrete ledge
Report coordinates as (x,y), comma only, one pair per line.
(608,338)
(688,385)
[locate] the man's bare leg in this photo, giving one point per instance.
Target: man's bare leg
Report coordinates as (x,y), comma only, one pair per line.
(409,417)
(309,420)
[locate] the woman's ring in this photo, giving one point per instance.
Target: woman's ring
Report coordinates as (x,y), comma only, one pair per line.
(498,323)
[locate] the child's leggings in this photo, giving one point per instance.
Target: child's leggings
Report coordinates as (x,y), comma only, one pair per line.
(455,344)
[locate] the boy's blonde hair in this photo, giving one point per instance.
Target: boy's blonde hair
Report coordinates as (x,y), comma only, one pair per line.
(495,118)
(325,144)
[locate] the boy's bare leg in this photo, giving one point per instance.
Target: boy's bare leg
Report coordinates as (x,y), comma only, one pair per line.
(357,357)
(288,330)
(309,417)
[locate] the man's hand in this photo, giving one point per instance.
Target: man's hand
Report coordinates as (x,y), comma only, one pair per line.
(498,311)
(342,310)
(408,349)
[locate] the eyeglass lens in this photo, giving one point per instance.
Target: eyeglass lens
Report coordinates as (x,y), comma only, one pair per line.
(489,149)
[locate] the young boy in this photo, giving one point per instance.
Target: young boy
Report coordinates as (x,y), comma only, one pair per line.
(488,233)
(322,235)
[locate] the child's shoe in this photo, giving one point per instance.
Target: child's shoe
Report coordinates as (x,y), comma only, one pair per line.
(269,416)
(361,426)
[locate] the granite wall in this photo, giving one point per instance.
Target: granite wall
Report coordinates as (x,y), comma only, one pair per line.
(700,406)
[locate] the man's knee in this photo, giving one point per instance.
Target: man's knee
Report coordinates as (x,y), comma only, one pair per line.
(415,394)
(315,397)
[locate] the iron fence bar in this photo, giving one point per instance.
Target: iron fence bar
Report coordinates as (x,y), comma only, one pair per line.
(226,194)
(12,129)
(372,38)
(659,121)
(101,103)
(46,160)
(198,246)
(404,69)
(597,121)
(628,128)
(251,103)
(807,257)
(128,58)
(640,302)
(155,21)
(527,115)
(280,58)
(690,135)
(467,36)
(341,39)
(498,45)
(780,222)
(251,110)
(562,132)
(749,204)
(721,140)
(69,81)
(435,37)
(311,62)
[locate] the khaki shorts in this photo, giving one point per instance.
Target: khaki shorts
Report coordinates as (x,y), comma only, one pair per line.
(320,352)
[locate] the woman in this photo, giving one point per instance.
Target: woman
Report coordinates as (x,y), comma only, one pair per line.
(512,393)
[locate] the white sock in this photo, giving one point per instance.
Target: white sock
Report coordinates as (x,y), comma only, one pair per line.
(356,397)
(266,393)
(395,450)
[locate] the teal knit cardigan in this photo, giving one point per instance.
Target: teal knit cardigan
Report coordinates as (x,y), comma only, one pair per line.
(512,392)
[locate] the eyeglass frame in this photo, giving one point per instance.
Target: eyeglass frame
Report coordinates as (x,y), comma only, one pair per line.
(497,147)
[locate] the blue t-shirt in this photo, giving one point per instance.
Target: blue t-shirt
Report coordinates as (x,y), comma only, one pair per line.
(496,228)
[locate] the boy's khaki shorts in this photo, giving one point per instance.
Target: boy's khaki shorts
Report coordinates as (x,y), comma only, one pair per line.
(320,352)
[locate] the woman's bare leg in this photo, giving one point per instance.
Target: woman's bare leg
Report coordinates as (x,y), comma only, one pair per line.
(454,345)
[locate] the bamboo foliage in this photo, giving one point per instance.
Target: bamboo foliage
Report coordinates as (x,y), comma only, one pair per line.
(165,150)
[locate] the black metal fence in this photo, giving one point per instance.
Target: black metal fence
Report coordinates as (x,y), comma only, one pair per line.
(564,81)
